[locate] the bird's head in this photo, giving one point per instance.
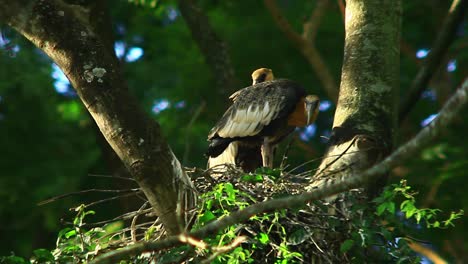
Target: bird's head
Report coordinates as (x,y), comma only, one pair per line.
(262,75)
(311,106)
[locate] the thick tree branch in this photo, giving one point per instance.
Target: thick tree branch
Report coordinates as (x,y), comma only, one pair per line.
(212,47)
(444,38)
(365,118)
(306,45)
(328,187)
(66,34)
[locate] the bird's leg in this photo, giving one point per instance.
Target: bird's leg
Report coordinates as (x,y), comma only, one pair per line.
(267,154)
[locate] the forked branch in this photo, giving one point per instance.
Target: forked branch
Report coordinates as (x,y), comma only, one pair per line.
(305,43)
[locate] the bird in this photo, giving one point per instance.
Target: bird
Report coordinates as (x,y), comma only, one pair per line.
(262,115)
(245,156)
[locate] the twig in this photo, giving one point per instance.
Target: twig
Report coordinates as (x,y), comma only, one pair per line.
(223,249)
(444,38)
(188,130)
(120,217)
(341,6)
(110,199)
(132,226)
(110,176)
(311,26)
(285,154)
(403,153)
(426,251)
(53,199)
(306,47)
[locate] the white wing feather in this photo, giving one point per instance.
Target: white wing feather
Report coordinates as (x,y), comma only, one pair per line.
(248,122)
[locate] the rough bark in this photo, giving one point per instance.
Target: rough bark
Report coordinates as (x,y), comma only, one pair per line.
(213,48)
(65,33)
(365,118)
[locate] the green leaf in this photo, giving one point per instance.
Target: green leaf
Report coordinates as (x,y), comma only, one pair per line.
(391,207)
(207,216)
(346,246)
(209,204)
(263,238)
(252,178)
(230,191)
(70,233)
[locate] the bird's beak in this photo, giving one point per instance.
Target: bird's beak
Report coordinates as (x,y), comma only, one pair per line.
(311,107)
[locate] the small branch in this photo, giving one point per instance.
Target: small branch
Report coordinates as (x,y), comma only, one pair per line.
(133,225)
(283,24)
(328,188)
(312,24)
(342,7)
(426,251)
(306,47)
(444,39)
(224,249)
(213,48)
(188,131)
(53,199)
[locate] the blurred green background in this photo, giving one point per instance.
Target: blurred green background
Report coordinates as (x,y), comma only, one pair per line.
(50,146)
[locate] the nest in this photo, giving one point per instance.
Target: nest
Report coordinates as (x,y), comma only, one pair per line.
(309,234)
(314,231)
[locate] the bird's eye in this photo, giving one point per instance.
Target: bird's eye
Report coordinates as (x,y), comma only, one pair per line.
(260,78)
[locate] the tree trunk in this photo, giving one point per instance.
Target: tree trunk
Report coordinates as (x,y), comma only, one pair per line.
(65,33)
(366,114)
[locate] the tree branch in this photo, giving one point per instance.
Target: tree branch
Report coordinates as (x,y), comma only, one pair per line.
(66,34)
(328,187)
(212,47)
(444,38)
(310,27)
(306,45)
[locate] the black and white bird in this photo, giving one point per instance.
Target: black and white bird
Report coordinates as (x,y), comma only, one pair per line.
(246,156)
(262,115)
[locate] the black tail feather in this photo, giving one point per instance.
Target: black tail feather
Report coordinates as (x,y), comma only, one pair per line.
(217,146)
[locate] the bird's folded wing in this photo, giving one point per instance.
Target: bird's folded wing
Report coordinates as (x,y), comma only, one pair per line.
(254,108)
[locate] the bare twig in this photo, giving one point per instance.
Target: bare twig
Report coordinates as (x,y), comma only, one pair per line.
(426,251)
(53,199)
(110,199)
(403,153)
(306,46)
(120,217)
(133,225)
(110,176)
(223,249)
(311,26)
(188,130)
(341,6)
(444,38)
